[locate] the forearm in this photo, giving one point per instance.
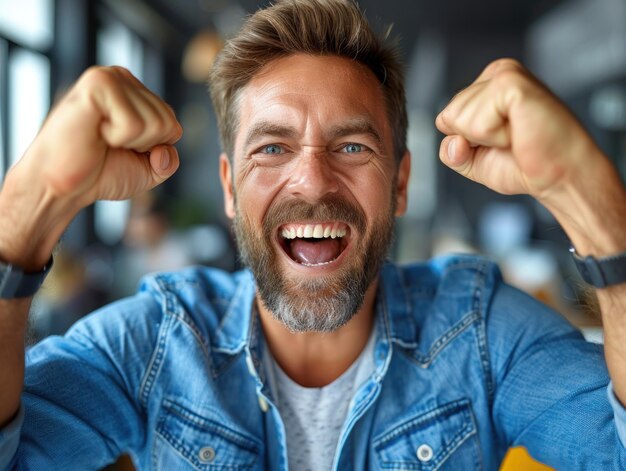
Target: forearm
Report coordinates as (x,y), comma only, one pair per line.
(592,209)
(593,214)
(31,221)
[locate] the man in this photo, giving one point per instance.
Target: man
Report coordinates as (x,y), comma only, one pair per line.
(320,356)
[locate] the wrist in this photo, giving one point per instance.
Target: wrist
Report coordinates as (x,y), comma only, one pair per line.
(591,208)
(32,220)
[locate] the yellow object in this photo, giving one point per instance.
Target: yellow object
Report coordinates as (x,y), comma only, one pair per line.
(518,459)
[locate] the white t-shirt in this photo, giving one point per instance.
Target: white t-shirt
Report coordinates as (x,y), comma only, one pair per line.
(314,417)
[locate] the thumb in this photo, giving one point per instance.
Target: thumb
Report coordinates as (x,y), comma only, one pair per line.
(164,162)
(493,167)
(457,153)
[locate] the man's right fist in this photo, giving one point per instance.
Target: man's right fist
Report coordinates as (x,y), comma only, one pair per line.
(108,138)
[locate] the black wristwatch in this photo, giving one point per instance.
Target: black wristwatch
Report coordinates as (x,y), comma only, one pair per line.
(601,272)
(14,283)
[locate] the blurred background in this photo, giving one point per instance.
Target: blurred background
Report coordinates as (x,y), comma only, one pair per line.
(577,47)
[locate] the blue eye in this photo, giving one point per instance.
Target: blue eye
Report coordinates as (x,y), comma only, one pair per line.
(352,148)
(272,149)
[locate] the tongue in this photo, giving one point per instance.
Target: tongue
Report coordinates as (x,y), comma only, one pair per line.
(312,253)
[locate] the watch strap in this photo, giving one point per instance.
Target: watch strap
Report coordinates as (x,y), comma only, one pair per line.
(15,283)
(601,272)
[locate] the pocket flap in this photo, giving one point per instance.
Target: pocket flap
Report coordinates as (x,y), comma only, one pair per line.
(205,442)
(425,441)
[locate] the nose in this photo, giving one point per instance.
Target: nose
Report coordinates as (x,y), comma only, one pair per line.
(312,177)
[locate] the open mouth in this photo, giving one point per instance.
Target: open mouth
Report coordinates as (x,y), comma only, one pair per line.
(316,244)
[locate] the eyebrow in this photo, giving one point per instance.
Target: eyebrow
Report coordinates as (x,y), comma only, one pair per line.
(267,128)
(351,127)
(356,126)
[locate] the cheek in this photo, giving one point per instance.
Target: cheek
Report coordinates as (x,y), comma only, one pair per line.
(372,189)
(376,204)
(256,189)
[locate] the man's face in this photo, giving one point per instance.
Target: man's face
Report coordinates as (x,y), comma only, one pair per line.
(315,187)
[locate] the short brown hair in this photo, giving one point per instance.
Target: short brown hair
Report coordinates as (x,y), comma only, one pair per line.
(317,27)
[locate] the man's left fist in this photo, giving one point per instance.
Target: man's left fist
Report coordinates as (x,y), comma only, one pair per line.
(510,133)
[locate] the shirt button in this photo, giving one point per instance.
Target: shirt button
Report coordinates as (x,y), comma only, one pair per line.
(206,454)
(424,453)
(263,404)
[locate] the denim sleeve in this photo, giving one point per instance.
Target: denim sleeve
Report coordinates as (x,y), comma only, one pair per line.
(551,387)
(80,402)
(10,439)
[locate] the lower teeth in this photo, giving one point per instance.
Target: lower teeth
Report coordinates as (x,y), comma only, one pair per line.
(317,264)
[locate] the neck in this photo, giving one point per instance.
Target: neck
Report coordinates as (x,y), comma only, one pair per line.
(315,359)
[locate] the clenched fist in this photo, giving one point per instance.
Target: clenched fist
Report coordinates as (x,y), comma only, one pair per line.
(108,138)
(510,133)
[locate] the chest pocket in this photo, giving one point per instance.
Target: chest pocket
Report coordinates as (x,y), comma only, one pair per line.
(442,438)
(186,440)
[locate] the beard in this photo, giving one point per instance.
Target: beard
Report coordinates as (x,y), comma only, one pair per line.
(328,302)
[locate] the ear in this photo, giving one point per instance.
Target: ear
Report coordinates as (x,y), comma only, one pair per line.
(402,183)
(227,185)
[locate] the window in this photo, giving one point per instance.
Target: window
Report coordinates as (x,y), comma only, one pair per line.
(28,22)
(29,98)
(26,35)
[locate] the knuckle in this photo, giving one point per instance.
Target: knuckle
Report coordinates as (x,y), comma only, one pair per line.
(510,77)
(447,116)
(509,62)
(505,64)
(512,83)
(97,76)
(104,76)
(119,70)
(176,131)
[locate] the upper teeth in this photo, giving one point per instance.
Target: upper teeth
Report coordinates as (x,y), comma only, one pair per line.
(316,231)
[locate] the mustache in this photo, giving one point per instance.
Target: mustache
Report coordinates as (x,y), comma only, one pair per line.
(329,208)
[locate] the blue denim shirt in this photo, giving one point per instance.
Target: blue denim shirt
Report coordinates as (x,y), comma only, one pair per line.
(464,366)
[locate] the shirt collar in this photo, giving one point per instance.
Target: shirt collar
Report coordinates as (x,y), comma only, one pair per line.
(394,321)
(234,331)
